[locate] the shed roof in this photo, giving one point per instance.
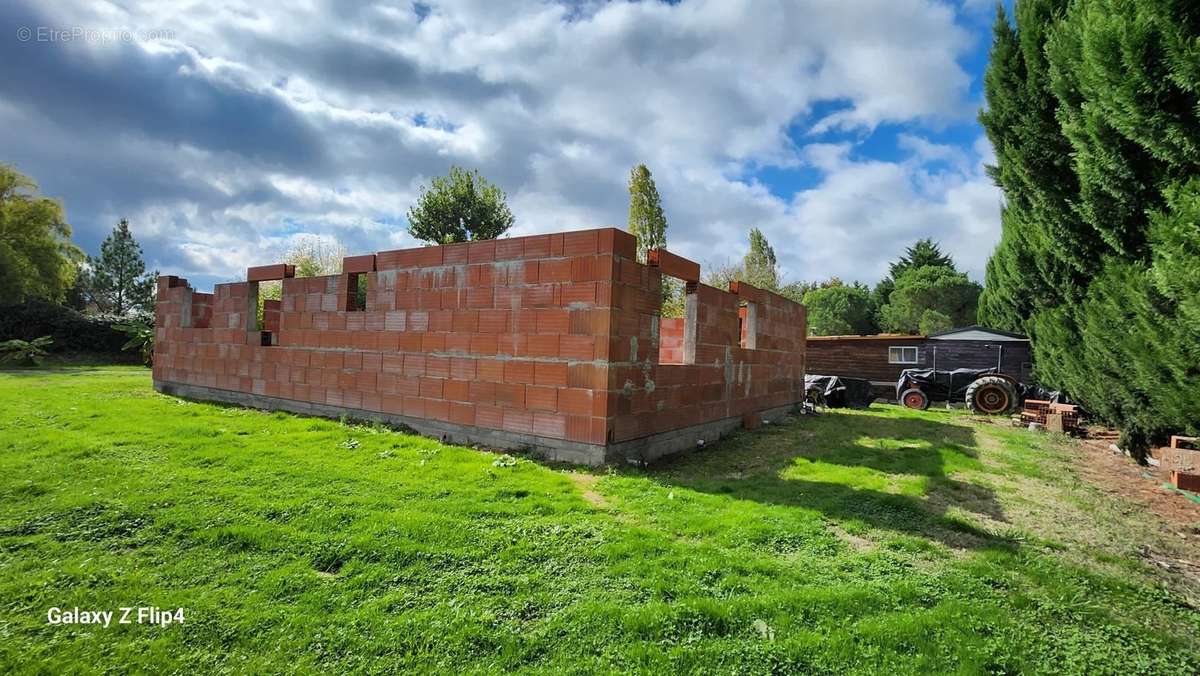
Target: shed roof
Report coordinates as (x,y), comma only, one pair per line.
(977,332)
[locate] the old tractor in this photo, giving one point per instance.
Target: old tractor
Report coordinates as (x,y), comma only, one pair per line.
(985,391)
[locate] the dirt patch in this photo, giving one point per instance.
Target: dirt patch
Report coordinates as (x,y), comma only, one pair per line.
(587,488)
(1119,475)
(856,542)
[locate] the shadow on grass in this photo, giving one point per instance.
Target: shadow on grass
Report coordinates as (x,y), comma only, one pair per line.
(814,463)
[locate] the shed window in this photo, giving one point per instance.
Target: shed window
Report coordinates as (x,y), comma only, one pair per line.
(902,355)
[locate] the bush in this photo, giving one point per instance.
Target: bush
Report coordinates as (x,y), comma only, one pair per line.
(73,332)
(25,351)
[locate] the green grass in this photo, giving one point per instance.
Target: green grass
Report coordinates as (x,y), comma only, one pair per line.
(881,540)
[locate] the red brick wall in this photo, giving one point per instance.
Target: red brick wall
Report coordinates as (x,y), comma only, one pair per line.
(550,335)
(670,340)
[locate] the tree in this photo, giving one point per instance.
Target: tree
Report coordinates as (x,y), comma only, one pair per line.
(37,258)
(117,280)
(837,309)
(646,219)
(933,321)
(460,207)
(759,263)
(1094,111)
(315,257)
(923,253)
(938,288)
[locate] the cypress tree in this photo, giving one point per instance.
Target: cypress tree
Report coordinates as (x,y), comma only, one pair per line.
(118,282)
(646,219)
(1096,124)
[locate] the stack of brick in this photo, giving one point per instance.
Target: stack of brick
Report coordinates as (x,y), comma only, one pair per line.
(548,341)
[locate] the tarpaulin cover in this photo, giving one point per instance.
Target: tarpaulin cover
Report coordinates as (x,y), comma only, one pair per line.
(839,391)
(940,385)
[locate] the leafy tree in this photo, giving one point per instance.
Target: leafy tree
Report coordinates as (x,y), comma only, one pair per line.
(925,252)
(838,309)
(37,258)
(938,288)
(646,219)
(759,263)
(933,321)
(117,280)
(460,207)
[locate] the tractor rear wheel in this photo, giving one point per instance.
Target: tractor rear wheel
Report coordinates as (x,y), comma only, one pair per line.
(991,395)
(915,399)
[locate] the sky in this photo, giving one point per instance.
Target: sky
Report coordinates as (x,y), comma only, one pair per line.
(226,131)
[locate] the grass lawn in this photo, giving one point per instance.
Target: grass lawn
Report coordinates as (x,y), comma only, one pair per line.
(881,540)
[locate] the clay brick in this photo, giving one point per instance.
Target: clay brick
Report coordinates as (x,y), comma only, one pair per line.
(541,398)
(481,392)
(490,417)
(525,272)
(482,251)
(456,254)
(493,321)
(751,420)
(433,342)
(575,401)
(542,345)
(549,425)
(458,343)
(267,273)
(465,321)
(537,246)
(437,409)
(479,298)
(358,264)
(1185,481)
(509,249)
(511,395)
(462,413)
(441,321)
(618,242)
(511,344)
(437,367)
(553,374)
(581,243)
(462,368)
(408,342)
(577,348)
(583,293)
(414,364)
(553,321)
(490,370)
(558,270)
(414,406)
(518,421)
(674,266)
(456,390)
(482,344)
(372,361)
(431,388)
(389,342)
(746,292)
(518,371)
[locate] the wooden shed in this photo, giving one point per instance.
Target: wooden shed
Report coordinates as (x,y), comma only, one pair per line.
(880,358)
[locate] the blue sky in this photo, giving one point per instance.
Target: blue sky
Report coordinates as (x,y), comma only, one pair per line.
(226,131)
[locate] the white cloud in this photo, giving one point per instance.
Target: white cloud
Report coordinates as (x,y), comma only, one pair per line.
(254,121)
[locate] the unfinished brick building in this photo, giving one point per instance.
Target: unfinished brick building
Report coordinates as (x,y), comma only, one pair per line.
(551,343)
